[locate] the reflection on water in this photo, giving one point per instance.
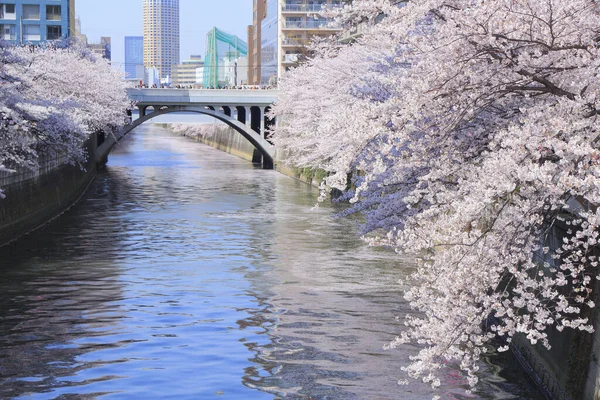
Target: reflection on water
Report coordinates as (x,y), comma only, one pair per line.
(187,273)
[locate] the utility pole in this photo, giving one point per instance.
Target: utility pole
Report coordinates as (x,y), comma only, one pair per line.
(235,73)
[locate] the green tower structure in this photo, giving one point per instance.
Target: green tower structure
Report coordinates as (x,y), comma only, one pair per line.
(220,47)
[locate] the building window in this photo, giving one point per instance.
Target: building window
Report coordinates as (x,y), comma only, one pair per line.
(8,32)
(53,13)
(31,32)
(294,22)
(31,11)
(7,11)
(54,32)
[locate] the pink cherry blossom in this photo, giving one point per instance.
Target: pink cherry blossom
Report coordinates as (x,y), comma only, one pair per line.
(51,99)
(465,132)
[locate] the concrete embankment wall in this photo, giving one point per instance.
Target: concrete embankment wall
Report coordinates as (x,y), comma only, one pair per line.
(222,137)
(35,197)
(219,136)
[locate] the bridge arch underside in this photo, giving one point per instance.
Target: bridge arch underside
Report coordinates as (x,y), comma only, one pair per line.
(249,123)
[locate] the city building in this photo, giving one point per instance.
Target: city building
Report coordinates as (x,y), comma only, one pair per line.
(152,78)
(353,33)
(225,63)
(102,49)
(184,74)
(236,71)
(200,74)
(36,21)
(76,33)
(161,36)
(134,57)
(254,39)
(286,29)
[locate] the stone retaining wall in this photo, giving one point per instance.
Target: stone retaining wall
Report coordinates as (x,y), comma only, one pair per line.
(43,195)
(222,137)
(219,136)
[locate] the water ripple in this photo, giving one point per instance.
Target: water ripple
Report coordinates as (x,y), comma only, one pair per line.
(186,273)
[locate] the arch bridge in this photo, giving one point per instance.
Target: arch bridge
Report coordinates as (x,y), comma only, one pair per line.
(244,110)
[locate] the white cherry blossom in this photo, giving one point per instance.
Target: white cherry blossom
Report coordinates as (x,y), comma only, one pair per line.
(51,99)
(465,132)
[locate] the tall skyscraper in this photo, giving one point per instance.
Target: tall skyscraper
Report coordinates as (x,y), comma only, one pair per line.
(161,36)
(29,22)
(134,56)
(254,40)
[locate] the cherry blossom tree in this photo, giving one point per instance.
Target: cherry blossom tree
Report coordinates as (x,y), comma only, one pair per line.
(465,132)
(51,99)
(15,148)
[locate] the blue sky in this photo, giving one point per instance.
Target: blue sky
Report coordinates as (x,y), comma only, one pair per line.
(120,18)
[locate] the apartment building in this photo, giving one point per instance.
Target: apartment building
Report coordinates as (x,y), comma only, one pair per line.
(184,74)
(36,21)
(254,39)
(287,27)
(161,36)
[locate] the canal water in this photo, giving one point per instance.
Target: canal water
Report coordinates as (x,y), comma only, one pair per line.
(187,273)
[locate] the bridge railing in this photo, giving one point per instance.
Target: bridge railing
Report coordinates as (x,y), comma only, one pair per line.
(218,90)
(326,24)
(206,97)
(310,7)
